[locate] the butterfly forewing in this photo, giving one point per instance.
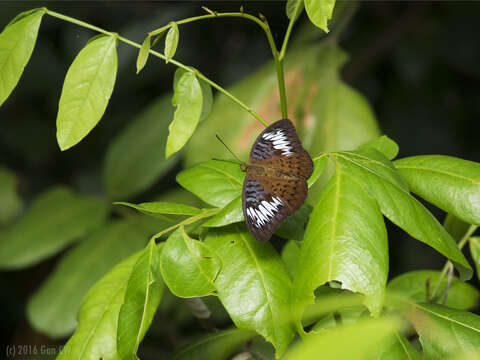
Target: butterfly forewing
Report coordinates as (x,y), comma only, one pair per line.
(275,185)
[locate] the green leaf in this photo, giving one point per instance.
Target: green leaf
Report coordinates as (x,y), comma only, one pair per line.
(219,346)
(457,228)
(253,284)
(319,12)
(142,296)
(230,214)
(55,219)
(86,90)
(398,347)
(384,144)
(293,9)
(10,201)
(361,339)
(413,285)
(290,255)
(17,41)
(215,182)
(143,53)
(383,182)
(96,334)
(160,208)
(189,267)
(319,165)
(171,42)
(52,310)
(189,102)
(136,157)
(207,99)
(345,240)
(450,183)
(444,331)
(294,226)
(475,252)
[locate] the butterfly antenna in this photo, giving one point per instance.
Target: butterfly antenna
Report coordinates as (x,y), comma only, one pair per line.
(230,151)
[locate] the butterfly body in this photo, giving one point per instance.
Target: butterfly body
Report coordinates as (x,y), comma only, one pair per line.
(275,185)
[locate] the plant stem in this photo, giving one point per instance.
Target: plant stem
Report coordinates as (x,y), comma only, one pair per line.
(286,38)
(161,56)
(265,27)
(461,244)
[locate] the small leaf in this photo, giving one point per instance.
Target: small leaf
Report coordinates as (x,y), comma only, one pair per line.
(384,144)
(171,42)
(230,214)
(17,41)
(319,12)
(53,309)
(475,252)
(345,240)
(215,182)
(444,331)
(219,346)
(319,165)
(136,156)
(143,293)
(10,202)
(189,100)
(383,182)
(96,334)
(159,208)
(450,183)
(55,219)
(86,90)
(188,266)
(143,54)
(253,284)
(293,9)
(413,285)
(361,339)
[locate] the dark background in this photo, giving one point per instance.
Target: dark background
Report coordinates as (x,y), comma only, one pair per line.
(416,62)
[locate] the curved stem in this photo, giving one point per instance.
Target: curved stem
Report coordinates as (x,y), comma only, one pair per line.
(161,56)
(265,27)
(461,244)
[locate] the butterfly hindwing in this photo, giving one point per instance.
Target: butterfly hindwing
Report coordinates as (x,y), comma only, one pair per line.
(278,146)
(268,201)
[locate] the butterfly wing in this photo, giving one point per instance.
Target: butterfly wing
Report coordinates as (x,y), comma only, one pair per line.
(268,201)
(278,146)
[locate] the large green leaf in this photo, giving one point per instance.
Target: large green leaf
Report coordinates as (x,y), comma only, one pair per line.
(475,252)
(219,346)
(413,285)
(53,308)
(374,170)
(162,208)
(215,182)
(319,12)
(359,341)
(345,240)
(188,266)
(142,295)
(444,331)
(10,201)
(450,183)
(136,157)
(253,284)
(188,99)
(396,348)
(86,90)
(17,41)
(96,334)
(54,220)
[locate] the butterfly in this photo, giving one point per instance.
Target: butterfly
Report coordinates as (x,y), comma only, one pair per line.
(275,184)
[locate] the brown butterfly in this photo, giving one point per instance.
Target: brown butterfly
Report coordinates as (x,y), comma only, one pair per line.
(275,185)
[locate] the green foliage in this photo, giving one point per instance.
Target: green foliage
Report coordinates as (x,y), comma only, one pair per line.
(55,219)
(333,269)
(17,41)
(87,88)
